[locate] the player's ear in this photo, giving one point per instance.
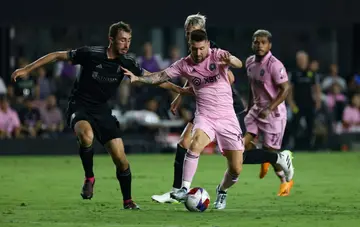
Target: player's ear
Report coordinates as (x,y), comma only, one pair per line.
(111,40)
(270,45)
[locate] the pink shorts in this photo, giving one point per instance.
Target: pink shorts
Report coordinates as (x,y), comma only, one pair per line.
(226,131)
(273,131)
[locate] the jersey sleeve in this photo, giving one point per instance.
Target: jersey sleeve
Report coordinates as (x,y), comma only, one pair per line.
(176,69)
(278,73)
(79,56)
(135,67)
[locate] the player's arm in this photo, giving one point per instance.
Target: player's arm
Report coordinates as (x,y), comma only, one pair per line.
(235,62)
(281,97)
(54,56)
(169,86)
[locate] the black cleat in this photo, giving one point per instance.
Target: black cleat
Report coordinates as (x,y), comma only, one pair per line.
(131,206)
(87,189)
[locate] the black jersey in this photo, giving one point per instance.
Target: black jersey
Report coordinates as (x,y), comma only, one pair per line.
(100,76)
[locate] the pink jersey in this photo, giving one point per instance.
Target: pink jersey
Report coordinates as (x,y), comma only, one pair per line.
(351,115)
(264,77)
(210,83)
(9,120)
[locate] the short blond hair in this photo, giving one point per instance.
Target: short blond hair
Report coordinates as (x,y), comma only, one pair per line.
(195,20)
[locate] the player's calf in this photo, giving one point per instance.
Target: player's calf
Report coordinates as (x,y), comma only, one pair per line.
(123,172)
(85,137)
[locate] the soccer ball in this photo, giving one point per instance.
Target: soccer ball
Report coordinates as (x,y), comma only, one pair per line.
(198,200)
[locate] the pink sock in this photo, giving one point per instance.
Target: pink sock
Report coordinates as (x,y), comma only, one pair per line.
(281,176)
(190,165)
(91,179)
(228,180)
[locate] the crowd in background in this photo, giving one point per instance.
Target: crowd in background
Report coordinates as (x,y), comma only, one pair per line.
(35,106)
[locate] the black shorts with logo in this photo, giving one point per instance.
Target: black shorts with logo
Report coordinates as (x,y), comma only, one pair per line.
(104,125)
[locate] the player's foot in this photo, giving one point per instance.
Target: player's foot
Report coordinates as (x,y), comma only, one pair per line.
(285,161)
(285,188)
(180,195)
(264,169)
(220,202)
(165,198)
(88,188)
(130,205)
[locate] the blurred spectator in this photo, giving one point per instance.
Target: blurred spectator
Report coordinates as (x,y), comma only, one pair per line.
(351,116)
(3,89)
(9,120)
(354,84)
(51,117)
(23,87)
(333,78)
(150,61)
(174,56)
(44,86)
(336,101)
(30,119)
(304,98)
(322,126)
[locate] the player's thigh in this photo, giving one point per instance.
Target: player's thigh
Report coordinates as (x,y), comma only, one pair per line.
(248,141)
(185,138)
(274,133)
(81,123)
(202,134)
(229,135)
(107,128)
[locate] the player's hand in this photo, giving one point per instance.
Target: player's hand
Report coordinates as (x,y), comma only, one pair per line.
(264,113)
(175,105)
(225,59)
(22,72)
(129,74)
(187,91)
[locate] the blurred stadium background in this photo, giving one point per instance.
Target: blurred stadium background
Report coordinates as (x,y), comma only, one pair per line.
(327,31)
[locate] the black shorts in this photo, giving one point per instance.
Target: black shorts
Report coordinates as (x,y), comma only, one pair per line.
(240,117)
(105,126)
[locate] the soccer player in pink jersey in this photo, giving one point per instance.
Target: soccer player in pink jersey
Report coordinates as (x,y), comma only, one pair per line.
(266,107)
(206,70)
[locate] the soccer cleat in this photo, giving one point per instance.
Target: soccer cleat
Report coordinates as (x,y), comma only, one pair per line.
(285,161)
(285,188)
(164,198)
(220,202)
(87,189)
(264,169)
(179,195)
(130,205)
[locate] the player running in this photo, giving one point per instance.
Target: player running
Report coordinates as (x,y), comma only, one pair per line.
(206,70)
(88,113)
(252,156)
(267,110)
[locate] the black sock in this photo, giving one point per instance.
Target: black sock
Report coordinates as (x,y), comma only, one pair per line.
(86,155)
(124,178)
(258,156)
(178,166)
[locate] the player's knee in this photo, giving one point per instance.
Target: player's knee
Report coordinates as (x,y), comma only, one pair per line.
(196,145)
(185,142)
(86,137)
(235,169)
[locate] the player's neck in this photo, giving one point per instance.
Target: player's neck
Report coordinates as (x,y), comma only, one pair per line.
(111,53)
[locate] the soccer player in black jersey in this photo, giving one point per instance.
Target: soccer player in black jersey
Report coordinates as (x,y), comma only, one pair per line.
(88,113)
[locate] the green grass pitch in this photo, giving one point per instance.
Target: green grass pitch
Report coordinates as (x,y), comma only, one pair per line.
(45,192)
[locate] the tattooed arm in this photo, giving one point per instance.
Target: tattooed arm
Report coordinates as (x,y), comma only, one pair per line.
(154,78)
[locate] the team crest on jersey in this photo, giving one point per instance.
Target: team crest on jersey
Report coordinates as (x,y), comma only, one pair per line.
(212,67)
(196,81)
(262,72)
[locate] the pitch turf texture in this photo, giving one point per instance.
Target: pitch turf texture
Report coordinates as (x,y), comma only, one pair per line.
(45,191)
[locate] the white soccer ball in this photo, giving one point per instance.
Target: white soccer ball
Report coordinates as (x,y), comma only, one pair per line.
(198,200)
